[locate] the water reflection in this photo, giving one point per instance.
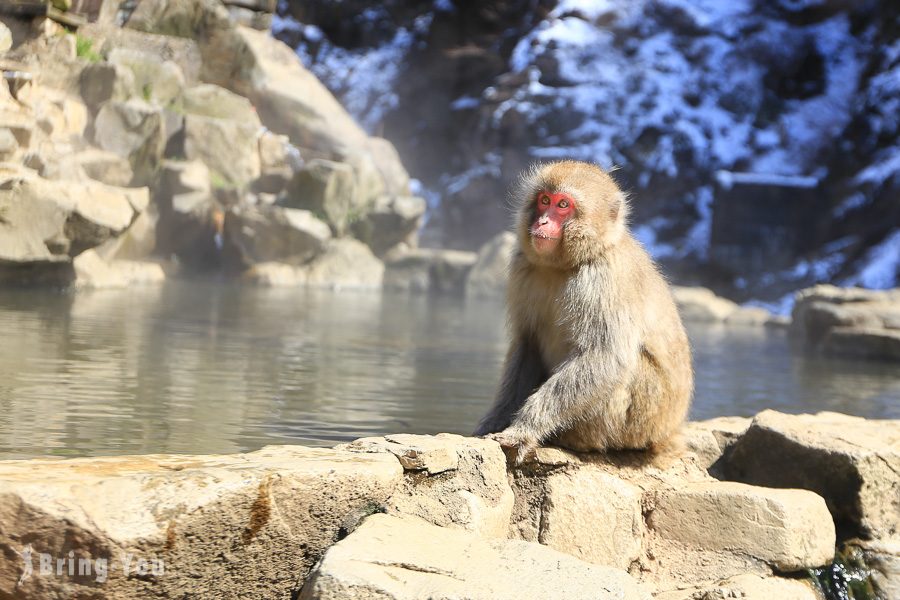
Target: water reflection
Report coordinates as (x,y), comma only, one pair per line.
(198,367)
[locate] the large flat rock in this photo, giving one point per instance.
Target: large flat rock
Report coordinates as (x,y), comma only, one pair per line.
(853,463)
(249,525)
(391,557)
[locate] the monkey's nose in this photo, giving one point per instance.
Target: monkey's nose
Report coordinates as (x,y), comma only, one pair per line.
(543,220)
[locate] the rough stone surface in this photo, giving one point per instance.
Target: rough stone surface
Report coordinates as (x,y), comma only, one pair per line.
(702,305)
(489,274)
(159,82)
(93,272)
(452,481)
(594,516)
(326,188)
(748,316)
(747,587)
(852,462)
(883,558)
(101,82)
(345,264)
(391,220)
(228,147)
(132,130)
(274,233)
(848,321)
(863,342)
(395,558)
(710,439)
(788,529)
(249,525)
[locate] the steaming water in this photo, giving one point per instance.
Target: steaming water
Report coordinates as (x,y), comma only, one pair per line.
(207,368)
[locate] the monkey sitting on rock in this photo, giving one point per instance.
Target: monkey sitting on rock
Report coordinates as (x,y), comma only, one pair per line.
(598,359)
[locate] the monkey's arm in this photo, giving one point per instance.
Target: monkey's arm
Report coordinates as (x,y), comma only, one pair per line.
(606,351)
(523,372)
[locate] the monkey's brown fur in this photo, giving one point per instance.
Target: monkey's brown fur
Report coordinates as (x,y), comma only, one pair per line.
(599,358)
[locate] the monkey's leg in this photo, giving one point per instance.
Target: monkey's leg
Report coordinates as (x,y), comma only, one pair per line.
(523,373)
(569,395)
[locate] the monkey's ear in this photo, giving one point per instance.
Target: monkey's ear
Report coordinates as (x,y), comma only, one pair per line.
(619,208)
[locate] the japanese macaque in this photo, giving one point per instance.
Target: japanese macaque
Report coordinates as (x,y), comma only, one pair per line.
(599,358)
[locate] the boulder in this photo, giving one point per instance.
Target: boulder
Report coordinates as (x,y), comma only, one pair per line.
(289,98)
(402,558)
(93,272)
(390,221)
(702,305)
(229,148)
(451,481)
(326,188)
(748,316)
(259,234)
(747,587)
(345,264)
(882,558)
(852,462)
(106,167)
(710,439)
(277,158)
(423,270)
(134,130)
(50,220)
(594,516)
(388,163)
(6,38)
(190,218)
(249,525)
(788,529)
(848,321)
(408,271)
(209,100)
(489,274)
(863,342)
(159,82)
(9,145)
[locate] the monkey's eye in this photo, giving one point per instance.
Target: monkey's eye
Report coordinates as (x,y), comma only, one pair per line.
(564,204)
(545,200)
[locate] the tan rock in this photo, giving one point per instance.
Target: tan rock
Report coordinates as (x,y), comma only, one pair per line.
(401,558)
(274,233)
(249,525)
(452,481)
(747,587)
(882,557)
(228,147)
(593,516)
(326,188)
(93,272)
(852,462)
(788,529)
(748,316)
(711,438)
(702,305)
(157,81)
(396,179)
(345,264)
(132,130)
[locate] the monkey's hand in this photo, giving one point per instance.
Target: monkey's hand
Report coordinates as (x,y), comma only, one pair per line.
(516,438)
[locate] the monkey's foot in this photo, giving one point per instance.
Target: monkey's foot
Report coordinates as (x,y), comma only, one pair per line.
(510,438)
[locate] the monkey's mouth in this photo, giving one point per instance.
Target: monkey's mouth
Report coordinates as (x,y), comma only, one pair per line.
(536,233)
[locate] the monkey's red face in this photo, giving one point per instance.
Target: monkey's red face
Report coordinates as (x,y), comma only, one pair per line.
(554,209)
